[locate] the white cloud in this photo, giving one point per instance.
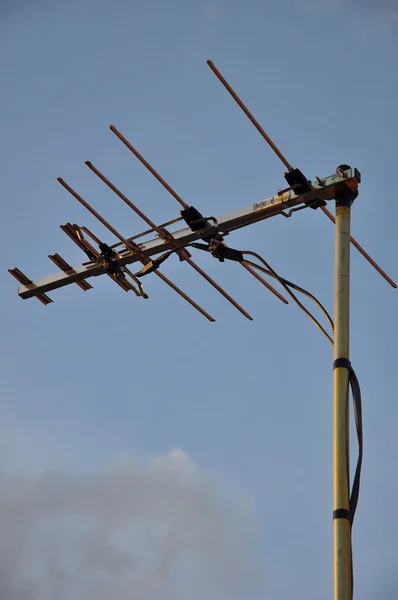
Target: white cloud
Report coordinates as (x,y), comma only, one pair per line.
(155,532)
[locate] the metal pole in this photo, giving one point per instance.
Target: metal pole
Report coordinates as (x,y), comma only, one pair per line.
(341,480)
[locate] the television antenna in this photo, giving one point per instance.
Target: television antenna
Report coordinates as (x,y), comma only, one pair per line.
(208,234)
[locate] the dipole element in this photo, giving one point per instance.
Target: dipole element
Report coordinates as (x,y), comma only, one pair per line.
(249,115)
(341,481)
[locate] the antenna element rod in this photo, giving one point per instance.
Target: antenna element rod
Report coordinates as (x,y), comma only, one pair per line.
(148,166)
(250,116)
(362,251)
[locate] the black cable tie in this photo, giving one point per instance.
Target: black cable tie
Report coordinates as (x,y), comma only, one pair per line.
(342,513)
(342,363)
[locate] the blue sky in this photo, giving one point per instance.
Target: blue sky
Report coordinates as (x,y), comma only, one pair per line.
(103,376)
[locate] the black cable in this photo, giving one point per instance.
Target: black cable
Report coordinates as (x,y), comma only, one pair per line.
(357,402)
(352,381)
(295,287)
(285,285)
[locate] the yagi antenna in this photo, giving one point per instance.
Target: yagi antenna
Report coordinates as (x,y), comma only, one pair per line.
(158,243)
(113,260)
(186,209)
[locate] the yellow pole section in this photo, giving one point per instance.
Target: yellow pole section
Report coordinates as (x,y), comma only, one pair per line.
(341,483)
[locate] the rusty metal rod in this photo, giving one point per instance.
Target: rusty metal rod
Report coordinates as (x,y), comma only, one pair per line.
(95,214)
(262,280)
(249,115)
(295,287)
(91,234)
(133,246)
(164,234)
(362,251)
(187,298)
(218,288)
(123,197)
(289,291)
(148,166)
